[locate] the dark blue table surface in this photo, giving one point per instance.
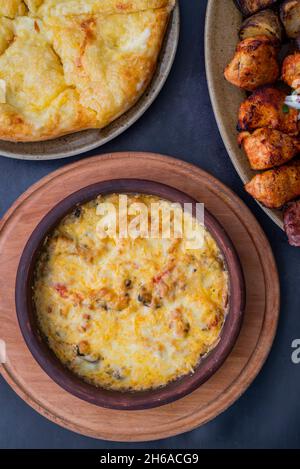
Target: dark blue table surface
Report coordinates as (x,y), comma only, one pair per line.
(181,123)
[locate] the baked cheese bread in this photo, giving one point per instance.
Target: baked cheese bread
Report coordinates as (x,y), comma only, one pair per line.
(70,65)
(129,313)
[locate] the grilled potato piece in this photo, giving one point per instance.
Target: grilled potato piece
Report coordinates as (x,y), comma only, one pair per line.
(249,7)
(266,108)
(291,70)
(254,64)
(266,148)
(263,23)
(276,187)
(290,16)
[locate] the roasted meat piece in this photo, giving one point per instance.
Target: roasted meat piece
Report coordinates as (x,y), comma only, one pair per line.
(266,108)
(266,148)
(255,64)
(292,223)
(276,187)
(291,70)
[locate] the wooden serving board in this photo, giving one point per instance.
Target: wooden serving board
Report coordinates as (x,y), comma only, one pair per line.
(262,310)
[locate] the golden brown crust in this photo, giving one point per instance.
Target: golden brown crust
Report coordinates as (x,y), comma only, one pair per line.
(85,70)
(92,291)
(291,70)
(254,64)
(266,148)
(266,108)
(12,8)
(276,187)
(6,33)
(65,116)
(44,8)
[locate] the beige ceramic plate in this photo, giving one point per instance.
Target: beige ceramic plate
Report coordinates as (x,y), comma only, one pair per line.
(223,21)
(81,142)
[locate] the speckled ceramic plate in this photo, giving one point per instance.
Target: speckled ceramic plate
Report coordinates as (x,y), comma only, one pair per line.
(80,142)
(223,21)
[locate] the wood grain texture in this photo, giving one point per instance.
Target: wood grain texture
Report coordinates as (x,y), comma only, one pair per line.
(223,21)
(253,345)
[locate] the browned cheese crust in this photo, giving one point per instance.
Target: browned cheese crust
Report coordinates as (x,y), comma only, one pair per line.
(69,66)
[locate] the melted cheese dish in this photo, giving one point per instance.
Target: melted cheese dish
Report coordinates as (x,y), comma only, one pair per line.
(129,313)
(70,65)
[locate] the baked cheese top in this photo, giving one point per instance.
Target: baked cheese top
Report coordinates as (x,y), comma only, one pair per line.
(129,313)
(70,65)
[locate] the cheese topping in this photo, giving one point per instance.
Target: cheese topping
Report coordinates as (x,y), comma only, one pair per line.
(127,313)
(2,91)
(72,65)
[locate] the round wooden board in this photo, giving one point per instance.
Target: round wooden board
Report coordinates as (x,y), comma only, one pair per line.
(87,140)
(253,345)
